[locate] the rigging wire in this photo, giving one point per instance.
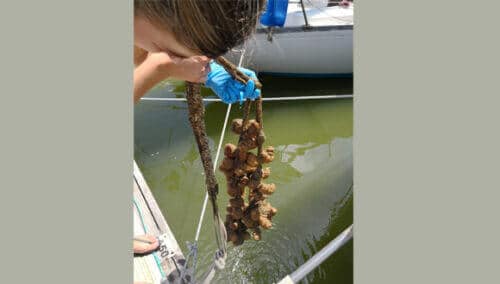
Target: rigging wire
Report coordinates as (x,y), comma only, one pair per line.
(296,98)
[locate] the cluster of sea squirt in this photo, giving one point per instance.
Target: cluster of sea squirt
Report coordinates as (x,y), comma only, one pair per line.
(243,169)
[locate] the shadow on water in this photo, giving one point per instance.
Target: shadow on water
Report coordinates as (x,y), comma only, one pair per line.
(312,171)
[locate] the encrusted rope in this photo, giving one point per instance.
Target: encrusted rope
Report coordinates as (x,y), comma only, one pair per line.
(196,118)
(235,72)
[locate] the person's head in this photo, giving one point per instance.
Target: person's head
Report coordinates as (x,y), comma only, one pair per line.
(194,27)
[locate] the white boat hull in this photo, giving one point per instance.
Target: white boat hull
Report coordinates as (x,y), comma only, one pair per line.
(320,51)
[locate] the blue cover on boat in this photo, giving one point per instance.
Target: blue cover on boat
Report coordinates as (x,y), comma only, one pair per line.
(275,14)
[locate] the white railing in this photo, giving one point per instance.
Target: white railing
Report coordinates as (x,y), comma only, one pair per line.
(319,257)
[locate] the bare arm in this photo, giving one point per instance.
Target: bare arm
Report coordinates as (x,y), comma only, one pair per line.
(146,76)
(153,68)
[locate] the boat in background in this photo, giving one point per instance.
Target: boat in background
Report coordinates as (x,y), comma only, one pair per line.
(315,41)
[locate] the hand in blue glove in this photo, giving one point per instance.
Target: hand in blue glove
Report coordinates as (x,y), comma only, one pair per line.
(228,89)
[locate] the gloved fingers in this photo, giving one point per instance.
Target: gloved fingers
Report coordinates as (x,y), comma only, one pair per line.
(223,91)
(234,93)
(256,94)
(241,99)
(227,88)
(249,89)
(251,93)
(215,67)
(217,74)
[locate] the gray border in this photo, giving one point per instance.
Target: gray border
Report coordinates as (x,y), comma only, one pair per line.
(66,121)
(426,123)
(426,137)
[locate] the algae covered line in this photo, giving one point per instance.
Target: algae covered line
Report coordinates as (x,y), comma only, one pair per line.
(196,118)
(242,169)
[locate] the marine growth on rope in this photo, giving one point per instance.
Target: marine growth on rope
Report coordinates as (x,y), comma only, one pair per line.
(245,174)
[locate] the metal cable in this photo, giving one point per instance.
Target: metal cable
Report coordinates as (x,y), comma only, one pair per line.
(319,97)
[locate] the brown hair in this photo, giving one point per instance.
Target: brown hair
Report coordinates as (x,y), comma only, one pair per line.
(210,27)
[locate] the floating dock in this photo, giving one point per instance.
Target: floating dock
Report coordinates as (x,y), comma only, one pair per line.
(166,264)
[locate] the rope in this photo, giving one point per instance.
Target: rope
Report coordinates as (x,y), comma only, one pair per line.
(221,139)
(226,119)
(298,98)
(193,247)
(196,118)
(236,73)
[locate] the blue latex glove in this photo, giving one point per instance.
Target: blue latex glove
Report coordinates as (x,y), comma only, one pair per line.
(228,89)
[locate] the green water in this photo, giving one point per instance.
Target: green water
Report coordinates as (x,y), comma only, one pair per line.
(312,171)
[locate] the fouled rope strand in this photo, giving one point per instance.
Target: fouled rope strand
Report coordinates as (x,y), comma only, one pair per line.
(246,112)
(258,112)
(243,78)
(235,72)
(196,118)
(260,121)
(219,229)
(243,169)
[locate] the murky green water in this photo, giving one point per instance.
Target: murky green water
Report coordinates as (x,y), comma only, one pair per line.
(312,171)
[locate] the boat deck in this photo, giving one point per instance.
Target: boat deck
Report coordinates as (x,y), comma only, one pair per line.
(164,265)
(319,16)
